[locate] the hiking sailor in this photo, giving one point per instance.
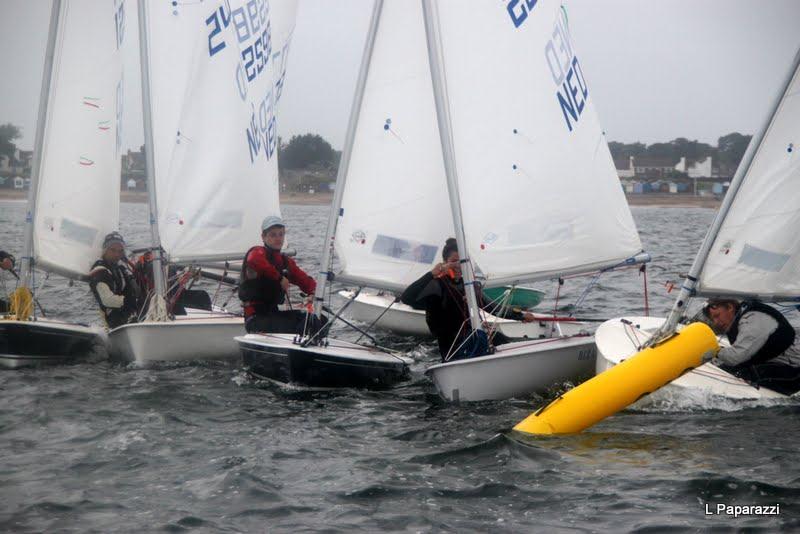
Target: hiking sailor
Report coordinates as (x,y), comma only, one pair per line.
(112,284)
(264,284)
(765,348)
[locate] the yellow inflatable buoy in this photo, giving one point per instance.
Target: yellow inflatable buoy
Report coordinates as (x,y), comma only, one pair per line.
(20,303)
(623,384)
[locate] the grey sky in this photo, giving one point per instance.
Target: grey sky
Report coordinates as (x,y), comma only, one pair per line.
(656,69)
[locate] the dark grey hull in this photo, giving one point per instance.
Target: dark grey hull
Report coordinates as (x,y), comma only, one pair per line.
(34,343)
(329,367)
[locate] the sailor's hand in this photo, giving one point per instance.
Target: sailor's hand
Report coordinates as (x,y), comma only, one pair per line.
(437,270)
(284,283)
(528,317)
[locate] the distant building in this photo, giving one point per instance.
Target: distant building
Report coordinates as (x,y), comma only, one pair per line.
(695,169)
(624,167)
(133,161)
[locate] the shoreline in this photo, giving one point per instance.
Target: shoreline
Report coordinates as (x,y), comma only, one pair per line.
(663,200)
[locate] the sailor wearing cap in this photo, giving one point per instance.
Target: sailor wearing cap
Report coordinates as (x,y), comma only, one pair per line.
(264,283)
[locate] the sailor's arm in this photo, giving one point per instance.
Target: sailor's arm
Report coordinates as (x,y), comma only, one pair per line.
(754,329)
(107,297)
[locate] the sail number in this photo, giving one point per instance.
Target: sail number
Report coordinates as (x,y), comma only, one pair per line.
(518,10)
(252,29)
(566,73)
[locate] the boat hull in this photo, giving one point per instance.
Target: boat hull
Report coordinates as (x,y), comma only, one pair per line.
(338,364)
(516,369)
(182,339)
(45,342)
(405,320)
(619,339)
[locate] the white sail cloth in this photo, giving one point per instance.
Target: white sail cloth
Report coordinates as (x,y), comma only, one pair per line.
(216,75)
(395,212)
(538,189)
(757,249)
(77,198)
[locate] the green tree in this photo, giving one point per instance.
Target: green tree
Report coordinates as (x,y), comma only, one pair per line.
(8,134)
(731,148)
(303,151)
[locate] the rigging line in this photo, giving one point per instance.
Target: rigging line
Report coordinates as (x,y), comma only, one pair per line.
(450,351)
(378,318)
(579,301)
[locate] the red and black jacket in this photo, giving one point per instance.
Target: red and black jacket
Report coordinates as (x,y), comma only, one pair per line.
(260,282)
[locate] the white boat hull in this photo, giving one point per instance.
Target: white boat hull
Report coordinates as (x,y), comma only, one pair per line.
(403,319)
(516,369)
(336,364)
(48,342)
(621,338)
(186,338)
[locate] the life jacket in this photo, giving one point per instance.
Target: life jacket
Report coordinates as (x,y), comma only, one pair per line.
(777,342)
(120,282)
(264,294)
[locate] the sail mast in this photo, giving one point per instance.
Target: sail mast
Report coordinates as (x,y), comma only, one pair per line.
(445,135)
(26,267)
(341,177)
(689,284)
(147,110)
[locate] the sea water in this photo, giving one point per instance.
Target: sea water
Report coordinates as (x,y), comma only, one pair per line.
(203,448)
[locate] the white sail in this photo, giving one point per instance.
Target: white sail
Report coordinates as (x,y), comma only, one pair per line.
(216,73)
(395,212)
(77,198)
(539,192)
(757,249)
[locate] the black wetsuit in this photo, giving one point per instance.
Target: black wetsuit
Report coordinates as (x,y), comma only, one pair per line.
(446,310)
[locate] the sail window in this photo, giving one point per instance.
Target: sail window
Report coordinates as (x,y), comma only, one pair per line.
(404,249)
(76,232)
(763,259)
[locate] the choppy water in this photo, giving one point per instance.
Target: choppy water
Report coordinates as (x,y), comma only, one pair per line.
(202,448)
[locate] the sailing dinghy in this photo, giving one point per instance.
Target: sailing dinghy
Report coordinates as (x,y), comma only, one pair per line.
(212,75)
(73,201)
(380,309)
(750,251)
(449,135)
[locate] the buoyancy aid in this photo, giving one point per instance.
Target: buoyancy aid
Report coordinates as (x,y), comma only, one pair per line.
(264,294)
(777,343)
(120,282)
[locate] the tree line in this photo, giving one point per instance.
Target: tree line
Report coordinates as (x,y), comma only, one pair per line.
(311,151)
(727,154)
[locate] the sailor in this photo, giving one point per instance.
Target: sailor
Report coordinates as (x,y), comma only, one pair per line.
(112,283)
(440,292)
(264,284)
(765,348)
(6,264)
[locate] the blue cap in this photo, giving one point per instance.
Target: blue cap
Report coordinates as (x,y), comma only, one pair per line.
(270,221)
